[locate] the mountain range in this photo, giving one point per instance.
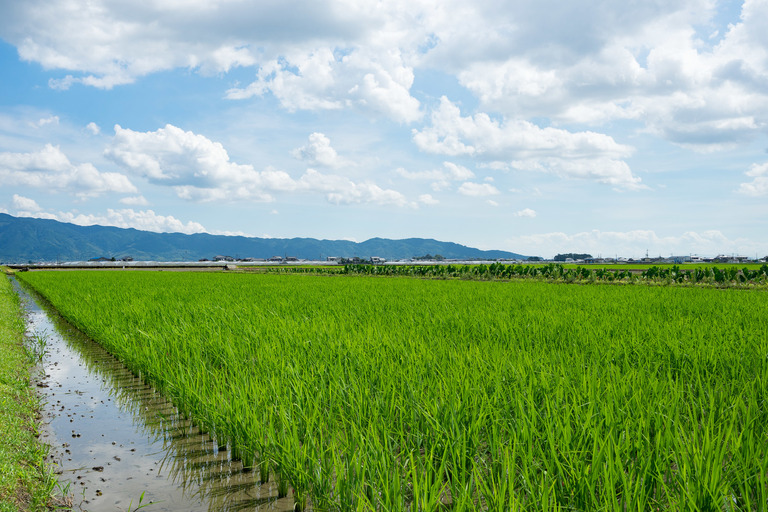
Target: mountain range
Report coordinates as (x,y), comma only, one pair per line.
(25,239)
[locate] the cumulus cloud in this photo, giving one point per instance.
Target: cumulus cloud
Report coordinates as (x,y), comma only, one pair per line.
(478,189)
(633,243)
(440,178)
(318,151)
(113,43)
(321,79)
(93,128)
(452,134)
(50,168)
(145,220)
(341,190)
(305,81)
(584,155)
(428,200)
(199,169)
(675,67)
(526,212)
(54,120)
(450,171)
(602,170)
(758,187)
(134,201)
(25,204)
(656,63)
(309,55)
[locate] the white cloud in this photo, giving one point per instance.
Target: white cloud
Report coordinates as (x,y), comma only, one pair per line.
(428,200)
(300,82)
(25,204)
(113,43)
(146,220)
(440,178)
(450,171)
(583,155)
(318,151)
(652,63)
(341,190)
(526,213)
(54,120)
(320,79)
(93,128)
(758,187)
(200,170)
(634,243)
(309,55)
(388,92)
(478,189)
(134,201)
(602,170)
(659,63)
(480,135)
(50,168)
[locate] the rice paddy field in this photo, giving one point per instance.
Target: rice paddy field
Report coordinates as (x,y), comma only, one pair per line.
(394,393)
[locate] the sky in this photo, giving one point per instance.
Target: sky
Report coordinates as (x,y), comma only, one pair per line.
(533,126)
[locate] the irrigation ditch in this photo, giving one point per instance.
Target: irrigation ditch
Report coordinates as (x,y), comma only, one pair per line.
(118,444)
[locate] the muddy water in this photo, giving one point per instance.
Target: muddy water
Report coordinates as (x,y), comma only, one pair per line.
(113,437)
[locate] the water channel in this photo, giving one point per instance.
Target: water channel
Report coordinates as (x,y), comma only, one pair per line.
(114,438)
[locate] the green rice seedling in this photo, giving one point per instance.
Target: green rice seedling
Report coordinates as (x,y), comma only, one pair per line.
(371,393)
(37,346)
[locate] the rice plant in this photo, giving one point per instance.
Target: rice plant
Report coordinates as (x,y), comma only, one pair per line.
(363,393)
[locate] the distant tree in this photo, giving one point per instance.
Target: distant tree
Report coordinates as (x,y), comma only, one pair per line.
(535,258)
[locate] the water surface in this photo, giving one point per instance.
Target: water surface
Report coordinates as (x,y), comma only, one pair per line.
(114,438)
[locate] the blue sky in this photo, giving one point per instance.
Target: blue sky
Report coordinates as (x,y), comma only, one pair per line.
(538,127)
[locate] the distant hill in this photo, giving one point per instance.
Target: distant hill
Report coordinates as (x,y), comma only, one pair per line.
(25,239)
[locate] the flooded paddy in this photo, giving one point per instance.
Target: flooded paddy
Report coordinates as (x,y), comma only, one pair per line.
(116,443)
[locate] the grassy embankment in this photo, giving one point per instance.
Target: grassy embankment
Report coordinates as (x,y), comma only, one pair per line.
(25,482)
(399,394)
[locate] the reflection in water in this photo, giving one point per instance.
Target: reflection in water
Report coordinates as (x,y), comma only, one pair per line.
(114,437)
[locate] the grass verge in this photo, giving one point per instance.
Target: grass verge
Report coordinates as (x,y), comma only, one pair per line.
(25,482)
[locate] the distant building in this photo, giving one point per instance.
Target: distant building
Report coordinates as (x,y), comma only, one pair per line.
(722,258)
(377,261)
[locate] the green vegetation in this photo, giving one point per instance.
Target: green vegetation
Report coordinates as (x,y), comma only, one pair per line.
(572,255)
(25,483)
(700,274)
(708,275)
(393,394)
